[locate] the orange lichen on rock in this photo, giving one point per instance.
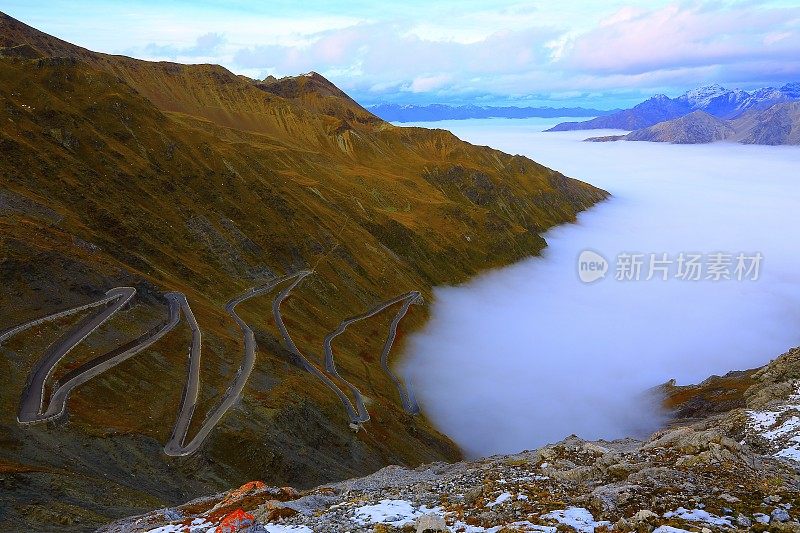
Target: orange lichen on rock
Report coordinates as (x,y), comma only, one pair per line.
(250,486)
(235,521)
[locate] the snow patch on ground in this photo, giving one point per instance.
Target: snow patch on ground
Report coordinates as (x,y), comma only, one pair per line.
(500,499)
(577,518)
(670,529)
(401,513)
(518,526)
(278,528)
(792,451)
(197,525)
(779,427)
(395,512)
(697,515)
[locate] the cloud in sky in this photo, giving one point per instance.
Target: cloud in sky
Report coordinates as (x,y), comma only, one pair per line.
(205,45)
(507,51)
(638,41)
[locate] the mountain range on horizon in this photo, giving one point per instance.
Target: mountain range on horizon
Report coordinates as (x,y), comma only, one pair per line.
(776,125)
(714,100)
(437,112)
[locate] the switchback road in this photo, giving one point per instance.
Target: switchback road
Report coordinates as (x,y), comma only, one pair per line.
(32,407)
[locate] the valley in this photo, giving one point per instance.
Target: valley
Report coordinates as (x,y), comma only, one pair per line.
(625,335)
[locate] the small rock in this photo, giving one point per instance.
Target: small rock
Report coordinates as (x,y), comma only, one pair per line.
(643,516)
(742,520)
(236,521)
(273,510)
(779,514)
(430,523)
(623,525)
(761,518)
(172,514)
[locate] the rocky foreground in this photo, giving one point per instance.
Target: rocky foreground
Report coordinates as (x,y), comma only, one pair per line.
(734,471)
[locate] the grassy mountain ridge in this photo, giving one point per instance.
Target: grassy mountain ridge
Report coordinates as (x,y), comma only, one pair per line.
(189,178)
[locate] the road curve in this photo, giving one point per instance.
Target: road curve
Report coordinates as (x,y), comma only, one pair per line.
(330,365)
(175,446)
(32,401)
(110,295)
(91,369)
(355,418)
(407,397)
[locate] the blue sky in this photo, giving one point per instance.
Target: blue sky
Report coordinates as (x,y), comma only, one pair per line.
(595,53)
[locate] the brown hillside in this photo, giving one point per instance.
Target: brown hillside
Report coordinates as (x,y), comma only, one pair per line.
(189,178)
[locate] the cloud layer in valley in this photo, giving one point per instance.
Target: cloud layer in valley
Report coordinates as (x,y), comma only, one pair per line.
(526,52)
(529,354)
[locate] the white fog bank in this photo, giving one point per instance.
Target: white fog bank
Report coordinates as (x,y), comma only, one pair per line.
(529,354)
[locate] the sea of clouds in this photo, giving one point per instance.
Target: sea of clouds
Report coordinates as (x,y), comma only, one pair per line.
(529,354)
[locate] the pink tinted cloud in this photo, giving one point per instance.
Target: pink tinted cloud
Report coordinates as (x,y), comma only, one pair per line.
(680,36)
(679,45)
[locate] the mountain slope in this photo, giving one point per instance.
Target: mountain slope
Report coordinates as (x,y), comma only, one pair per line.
(165,177)
(779,124)
(713,99)
(767,97)
(696,127)
(649,112)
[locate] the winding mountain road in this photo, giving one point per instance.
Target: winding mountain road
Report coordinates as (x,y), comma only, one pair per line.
(175,446)
(32,402)
(355,417)
(406,394)
(91,369)
(407,399)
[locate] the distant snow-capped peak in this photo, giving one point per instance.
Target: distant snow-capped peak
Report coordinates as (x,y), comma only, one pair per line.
(702,96)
